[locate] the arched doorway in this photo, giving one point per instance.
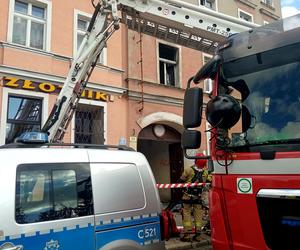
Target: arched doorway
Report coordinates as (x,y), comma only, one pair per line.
(161,144)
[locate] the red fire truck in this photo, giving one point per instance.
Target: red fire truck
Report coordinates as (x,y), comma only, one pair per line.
(254,113)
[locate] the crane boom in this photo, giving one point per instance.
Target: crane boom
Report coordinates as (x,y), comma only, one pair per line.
(104,22)
(178,22)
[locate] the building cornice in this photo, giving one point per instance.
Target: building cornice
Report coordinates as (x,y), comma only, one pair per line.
(11,71)
(248,3)
(158,99)
(49,54)
(269,13)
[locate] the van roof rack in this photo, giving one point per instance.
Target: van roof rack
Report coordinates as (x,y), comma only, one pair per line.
(73,145)
(38,139)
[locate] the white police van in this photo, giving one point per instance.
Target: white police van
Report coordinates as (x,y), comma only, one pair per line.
(79,197)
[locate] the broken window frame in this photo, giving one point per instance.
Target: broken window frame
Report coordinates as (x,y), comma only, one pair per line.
(166,63)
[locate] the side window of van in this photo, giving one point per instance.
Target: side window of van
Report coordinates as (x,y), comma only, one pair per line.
(53,191)
(125,186)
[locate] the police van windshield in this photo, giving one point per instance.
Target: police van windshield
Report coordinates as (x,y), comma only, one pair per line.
(273,79)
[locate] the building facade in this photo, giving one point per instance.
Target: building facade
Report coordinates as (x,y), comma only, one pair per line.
(135,94)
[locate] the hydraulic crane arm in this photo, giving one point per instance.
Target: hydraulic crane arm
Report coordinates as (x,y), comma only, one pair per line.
(104,22)
(173,20)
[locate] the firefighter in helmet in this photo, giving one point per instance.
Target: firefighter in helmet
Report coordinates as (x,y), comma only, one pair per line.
(191,200)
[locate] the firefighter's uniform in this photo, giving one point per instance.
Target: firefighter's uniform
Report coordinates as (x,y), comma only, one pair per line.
(192,200)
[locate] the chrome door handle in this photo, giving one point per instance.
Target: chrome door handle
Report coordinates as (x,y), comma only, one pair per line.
(279,193)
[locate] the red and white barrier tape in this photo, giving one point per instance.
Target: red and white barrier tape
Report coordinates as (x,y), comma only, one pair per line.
(182,185)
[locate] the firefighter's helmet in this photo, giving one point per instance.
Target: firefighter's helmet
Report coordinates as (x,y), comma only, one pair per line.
(200,163)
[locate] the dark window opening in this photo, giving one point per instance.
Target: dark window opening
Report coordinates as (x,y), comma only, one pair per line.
(168,65)
(167,52)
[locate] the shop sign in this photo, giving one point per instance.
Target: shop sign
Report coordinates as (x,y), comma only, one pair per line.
(49,88)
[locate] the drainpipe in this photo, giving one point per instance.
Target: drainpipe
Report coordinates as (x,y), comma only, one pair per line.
(141,82)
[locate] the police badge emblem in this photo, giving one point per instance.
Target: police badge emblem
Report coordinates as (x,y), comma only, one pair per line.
(9,245)
(52,245)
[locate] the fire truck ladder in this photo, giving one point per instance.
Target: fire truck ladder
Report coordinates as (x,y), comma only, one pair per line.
(172,20)
(178,22)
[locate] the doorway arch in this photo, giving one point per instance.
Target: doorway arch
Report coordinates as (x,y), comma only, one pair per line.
(160,141)
(166,118)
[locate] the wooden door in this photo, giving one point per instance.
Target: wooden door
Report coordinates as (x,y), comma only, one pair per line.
(176,168)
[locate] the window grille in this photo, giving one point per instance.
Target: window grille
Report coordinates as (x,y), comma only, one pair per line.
(89,124)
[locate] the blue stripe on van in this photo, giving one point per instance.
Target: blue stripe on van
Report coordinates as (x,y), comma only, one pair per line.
(126,223)
(143,234)
(142,231)
(77,238)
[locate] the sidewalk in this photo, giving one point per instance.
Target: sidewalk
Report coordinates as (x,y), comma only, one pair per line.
(176,244)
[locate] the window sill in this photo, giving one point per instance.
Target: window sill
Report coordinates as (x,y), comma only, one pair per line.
(32,50)
(154,83)
(213,9)
(169,86)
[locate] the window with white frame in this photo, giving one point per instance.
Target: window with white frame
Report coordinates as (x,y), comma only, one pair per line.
(168,65)
(268,2)
(207,83)
(82,24)
(211,4)
(29,24)
(245,16)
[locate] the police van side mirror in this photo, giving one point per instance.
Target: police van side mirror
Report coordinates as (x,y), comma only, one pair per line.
(192,107)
